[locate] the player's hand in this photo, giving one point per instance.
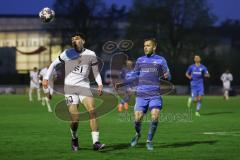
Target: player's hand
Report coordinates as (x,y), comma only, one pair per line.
(165,75)
(206,75)
(100,90)
(189,77)
(45,83)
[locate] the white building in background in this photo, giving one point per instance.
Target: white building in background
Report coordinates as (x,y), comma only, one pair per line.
(24,44)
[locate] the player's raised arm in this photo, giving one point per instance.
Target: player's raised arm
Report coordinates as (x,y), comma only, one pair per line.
(50,70)
(97,75)
(132,77)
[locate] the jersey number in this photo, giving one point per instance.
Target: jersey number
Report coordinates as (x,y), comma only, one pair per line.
(78,68)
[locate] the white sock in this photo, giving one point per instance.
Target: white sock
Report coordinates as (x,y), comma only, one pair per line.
(48,105)
(30,94)
(43,100)
(95,137)
(38,94)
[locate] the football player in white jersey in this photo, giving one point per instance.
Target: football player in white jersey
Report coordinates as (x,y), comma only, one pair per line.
(34,84)
(78,63)
(48,92)
(226,78)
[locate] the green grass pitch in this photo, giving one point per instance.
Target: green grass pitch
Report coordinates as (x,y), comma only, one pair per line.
(29,132)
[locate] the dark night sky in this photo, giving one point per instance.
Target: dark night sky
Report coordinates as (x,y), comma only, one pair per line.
(222,8)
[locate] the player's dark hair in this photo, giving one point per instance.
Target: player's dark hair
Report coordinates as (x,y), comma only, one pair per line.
(197,55)
(80,35)
(152,40)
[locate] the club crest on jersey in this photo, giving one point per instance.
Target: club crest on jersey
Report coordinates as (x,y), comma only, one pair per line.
(155,62)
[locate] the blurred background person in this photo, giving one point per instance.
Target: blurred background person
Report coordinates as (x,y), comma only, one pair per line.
(34,84)
(226,79)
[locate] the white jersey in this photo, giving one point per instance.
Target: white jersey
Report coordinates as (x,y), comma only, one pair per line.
(78,66)
(34,80)
(77,69)
(226,78)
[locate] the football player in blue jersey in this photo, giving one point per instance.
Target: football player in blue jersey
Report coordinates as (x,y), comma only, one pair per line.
(196,73)
(126,71)
(148,71)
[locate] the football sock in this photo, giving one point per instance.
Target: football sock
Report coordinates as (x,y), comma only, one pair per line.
(48,104)
(152,130)
(73,129)
(95,137)
(138,127)
(38,94)
(30,94)
(199,104)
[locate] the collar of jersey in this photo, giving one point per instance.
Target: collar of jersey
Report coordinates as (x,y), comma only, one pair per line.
(151,55)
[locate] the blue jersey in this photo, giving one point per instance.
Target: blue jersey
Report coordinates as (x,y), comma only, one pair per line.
(125,73)
(197,73)
(149,71)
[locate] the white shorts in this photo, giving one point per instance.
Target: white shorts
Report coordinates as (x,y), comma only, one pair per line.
(34,85)
(74,98)
(226,86)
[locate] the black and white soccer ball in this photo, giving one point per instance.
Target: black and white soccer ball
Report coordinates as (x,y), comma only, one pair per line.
(46,15)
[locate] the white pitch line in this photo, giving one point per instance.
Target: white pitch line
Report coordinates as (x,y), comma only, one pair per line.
(223,133)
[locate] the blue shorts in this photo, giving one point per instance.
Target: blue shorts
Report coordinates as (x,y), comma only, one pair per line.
(197,91)
(142,104)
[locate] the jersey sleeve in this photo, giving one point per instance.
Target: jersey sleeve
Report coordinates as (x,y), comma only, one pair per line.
(189,70)
(165,66)
(136,69)
(205,70)
(133,75)
(231,77)
(222,77)
(63,56)
(51,68)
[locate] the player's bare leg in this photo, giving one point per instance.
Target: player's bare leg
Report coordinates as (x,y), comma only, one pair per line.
(138,122)
(199,105)
(88,102)
(74,113)
(153,127)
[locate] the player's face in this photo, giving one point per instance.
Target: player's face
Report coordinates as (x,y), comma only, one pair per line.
(129,64)
(149,47)
(77,43)
(197,59)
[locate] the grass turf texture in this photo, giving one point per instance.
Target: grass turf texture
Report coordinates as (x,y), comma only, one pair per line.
(28,131)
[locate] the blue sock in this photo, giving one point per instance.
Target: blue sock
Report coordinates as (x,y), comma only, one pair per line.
(199,104)
(152,130)
(138,127)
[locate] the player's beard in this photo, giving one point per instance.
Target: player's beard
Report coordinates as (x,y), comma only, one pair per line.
(78,48)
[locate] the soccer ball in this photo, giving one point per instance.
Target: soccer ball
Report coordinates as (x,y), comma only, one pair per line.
(46,15)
